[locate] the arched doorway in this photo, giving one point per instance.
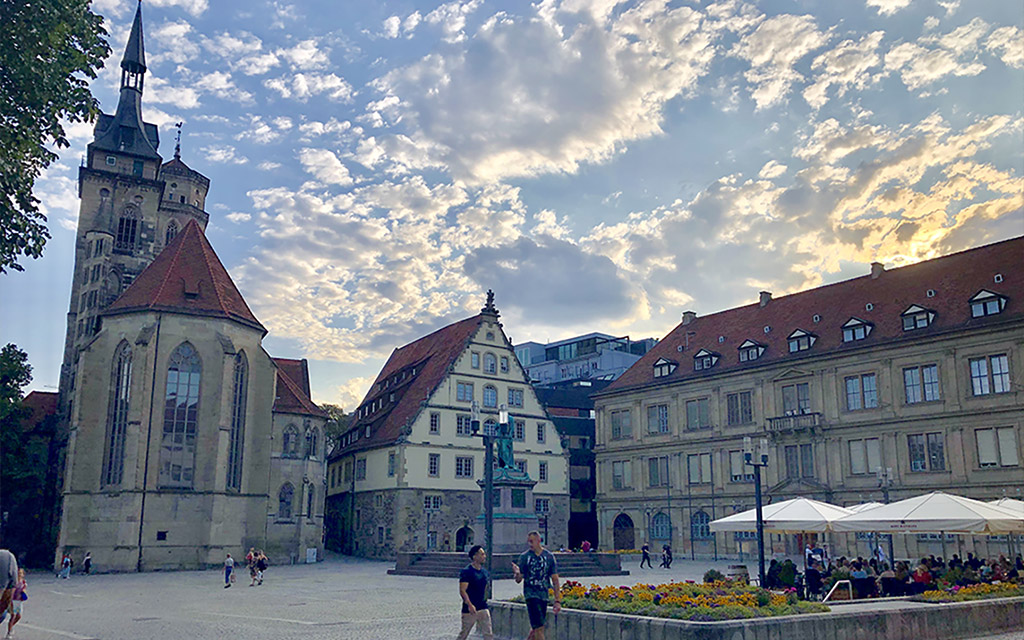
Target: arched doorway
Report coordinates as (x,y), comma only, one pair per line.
(463,539)
(622,531)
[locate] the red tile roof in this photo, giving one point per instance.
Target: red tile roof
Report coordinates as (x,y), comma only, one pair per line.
(431,357)
(954,279)
(187,277)
(40,404)
(293,389)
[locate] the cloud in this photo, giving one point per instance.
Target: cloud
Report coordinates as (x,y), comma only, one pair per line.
(846,66)
(194,7)
(306,55)
(302,86)
(315,129)
(934,57)
(219,84)
(772,169)
(159,91)
(174,42)
(324,166)
(267,165)
(773,50)
(238,217)
(223,154)
(243,51)
(888,7)
(350,394)
(1008,44)
(451,17)
(263,131)
(525,97)
(392,26)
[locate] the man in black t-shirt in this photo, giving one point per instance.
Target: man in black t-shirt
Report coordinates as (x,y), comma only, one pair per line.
(473,590)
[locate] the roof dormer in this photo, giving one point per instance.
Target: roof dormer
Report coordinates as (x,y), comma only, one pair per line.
(663,367)
(987,303)
(917,317)
(751,350)
(856,329)
(704,359)
(801,340)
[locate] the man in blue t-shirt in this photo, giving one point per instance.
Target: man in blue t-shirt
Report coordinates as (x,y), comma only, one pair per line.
(538,572)
(473,590)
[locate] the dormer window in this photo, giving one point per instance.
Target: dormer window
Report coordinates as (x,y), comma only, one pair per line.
(916,317)
(704,359)
(855,329)
(800,340)
(750,351)
(986,303)
(663,367)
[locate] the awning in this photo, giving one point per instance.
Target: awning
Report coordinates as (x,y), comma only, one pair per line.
(798,515)
(934,513)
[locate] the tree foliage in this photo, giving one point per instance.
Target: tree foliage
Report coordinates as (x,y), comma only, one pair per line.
(15,374)
(49,51)
(337,424)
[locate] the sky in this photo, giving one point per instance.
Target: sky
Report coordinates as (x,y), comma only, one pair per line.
(601,165)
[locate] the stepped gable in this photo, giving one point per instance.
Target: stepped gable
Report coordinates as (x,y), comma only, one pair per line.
(293,394)
(431,357)
(187,277)
(955,279)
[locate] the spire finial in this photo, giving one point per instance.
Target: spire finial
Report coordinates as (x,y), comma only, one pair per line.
(489,308)
(177,136)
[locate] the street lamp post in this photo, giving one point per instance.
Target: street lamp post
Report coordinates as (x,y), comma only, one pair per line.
(757,463)
(885,481)
(488,439)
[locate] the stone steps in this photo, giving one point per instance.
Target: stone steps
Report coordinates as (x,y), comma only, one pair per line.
(448,565)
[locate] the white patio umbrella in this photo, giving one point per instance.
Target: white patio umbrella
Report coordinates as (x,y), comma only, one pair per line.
(857,508)
(798,515)
(1010,503)
(935,512)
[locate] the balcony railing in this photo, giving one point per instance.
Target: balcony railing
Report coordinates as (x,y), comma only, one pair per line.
(796,422)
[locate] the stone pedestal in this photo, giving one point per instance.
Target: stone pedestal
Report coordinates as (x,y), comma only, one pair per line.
(514,514)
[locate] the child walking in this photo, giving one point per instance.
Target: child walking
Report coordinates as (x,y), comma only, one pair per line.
(17,603)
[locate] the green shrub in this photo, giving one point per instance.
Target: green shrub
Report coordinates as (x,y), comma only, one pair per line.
(713,575)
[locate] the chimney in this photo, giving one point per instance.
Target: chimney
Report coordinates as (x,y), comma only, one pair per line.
(877,268)
(689,316)
(766,297)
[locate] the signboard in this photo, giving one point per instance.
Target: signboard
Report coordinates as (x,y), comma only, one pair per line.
(310,555)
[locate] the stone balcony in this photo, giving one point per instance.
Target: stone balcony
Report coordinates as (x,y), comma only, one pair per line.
(796,422)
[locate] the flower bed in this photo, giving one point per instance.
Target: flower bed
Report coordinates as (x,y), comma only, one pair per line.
(721,600)
(982,591)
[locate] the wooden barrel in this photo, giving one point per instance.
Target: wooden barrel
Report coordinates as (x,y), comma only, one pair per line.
(738,572)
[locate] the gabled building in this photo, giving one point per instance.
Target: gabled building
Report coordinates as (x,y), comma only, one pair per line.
(404,477)
(913,372)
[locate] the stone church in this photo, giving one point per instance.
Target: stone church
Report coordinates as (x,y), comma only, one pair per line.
(186,440)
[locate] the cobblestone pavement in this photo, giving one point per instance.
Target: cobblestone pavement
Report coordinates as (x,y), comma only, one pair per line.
(340,599)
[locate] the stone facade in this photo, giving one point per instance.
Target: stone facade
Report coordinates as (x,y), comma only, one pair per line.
(671,445)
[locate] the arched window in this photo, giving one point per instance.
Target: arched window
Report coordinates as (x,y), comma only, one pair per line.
(172,230)
(127,229)
(661,527)
(490,363)
(309,501)
(117,414)
(238,400)
(700,528)
(490,397)
(290,442)
(181,412)
(312,441)
(284,502)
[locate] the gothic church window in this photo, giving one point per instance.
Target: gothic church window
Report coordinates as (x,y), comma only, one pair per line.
(117,415)
(238,401)
(284,502)
(181,417)
(127,229)
(309,501)
(312,442)
(172,231)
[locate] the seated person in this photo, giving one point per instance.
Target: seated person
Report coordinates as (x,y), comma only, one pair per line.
(812,578)
(858,571)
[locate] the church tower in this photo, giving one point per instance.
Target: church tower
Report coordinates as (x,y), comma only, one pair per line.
(132,205)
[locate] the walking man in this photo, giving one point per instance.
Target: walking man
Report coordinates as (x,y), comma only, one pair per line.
(538,572)
(8,580)
(473,591)
(646,550)
(87,563)
(229,567)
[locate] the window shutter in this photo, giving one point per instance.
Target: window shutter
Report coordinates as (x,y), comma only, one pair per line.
(1007,446)
(987,454)
(858,464)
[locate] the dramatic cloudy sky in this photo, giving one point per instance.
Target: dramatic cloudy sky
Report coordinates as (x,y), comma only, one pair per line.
(602,165)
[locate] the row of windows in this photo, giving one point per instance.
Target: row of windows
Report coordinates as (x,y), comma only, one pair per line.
(464,427)
(464,393)
(921,383)
(491,363)
(996,447)
(984,303)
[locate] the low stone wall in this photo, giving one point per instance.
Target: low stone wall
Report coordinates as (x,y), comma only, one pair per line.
(448,565)
(923,622)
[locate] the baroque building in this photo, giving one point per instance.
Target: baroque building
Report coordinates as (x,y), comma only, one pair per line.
(185,439)
(404,476)
(912,377)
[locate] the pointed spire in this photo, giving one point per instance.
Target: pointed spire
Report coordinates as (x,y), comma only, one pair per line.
(135,54)
(177,141)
